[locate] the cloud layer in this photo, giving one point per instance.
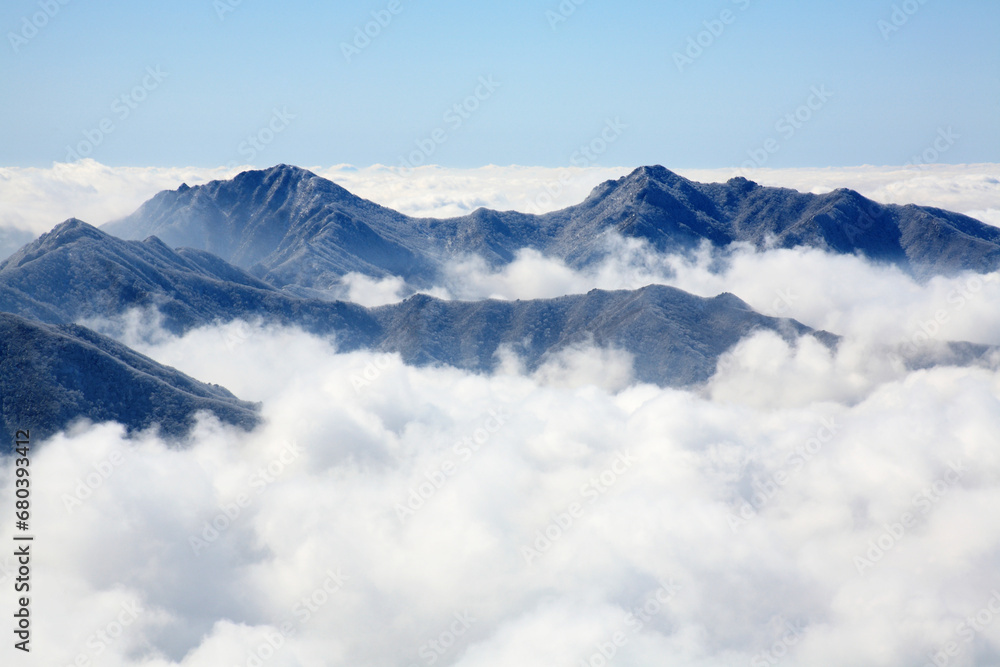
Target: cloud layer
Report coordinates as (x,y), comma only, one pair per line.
(808,507)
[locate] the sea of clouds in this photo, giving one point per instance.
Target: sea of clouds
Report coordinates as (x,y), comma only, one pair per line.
(806,506)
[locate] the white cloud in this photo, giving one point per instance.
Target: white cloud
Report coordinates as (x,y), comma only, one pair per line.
(38,199)
(843,294)
(542,511)
(371,292)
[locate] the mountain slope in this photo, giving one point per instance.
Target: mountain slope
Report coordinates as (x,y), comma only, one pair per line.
(78,272)
(675,337)
(285,224)
(290,227)
(53,375)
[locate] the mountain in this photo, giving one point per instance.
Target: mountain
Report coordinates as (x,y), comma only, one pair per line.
(286,225)
(77,272)
(266,241)
(52,375)
(675,337)
(297,231)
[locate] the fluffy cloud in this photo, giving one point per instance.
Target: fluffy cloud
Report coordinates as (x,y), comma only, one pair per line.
(875,303)
(38,199)
(802,507)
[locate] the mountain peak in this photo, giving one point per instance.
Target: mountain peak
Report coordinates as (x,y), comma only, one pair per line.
(634,182)
(278,171)
(730,300)
(741,184)
(62,234)
(850,195)
(67,232)
(656,173)
(71,223)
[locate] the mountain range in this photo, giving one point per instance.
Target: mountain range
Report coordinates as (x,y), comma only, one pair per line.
(296,230)
(271,245)
(77,273)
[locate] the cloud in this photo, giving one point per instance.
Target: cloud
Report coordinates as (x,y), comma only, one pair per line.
(36,199)
(806,505)
(879,304)
(371,292)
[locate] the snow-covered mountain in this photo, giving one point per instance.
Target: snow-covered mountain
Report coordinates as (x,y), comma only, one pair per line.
(77,272)
(50,376)
(290,227)
(258,246)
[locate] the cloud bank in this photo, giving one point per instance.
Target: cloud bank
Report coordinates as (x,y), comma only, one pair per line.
(877,304)
(805,507)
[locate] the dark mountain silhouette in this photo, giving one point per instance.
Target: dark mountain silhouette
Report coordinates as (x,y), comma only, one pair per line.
(51,376)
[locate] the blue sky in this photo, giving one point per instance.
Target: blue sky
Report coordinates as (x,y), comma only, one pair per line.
(277,72)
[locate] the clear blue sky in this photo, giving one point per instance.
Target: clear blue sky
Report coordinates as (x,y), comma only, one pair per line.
(891,91)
